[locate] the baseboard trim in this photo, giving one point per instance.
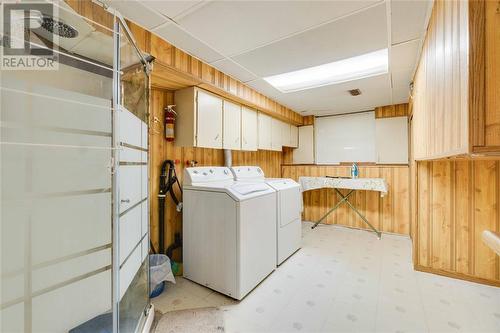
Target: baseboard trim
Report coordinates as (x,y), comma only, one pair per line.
(362,229)
(454,275)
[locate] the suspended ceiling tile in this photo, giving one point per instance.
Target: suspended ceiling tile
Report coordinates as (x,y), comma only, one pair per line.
(400,95)
(138,13)
(233,69)
(171,8)
(232,27)
(375,91)
(351,36)
(408,19)
(173,34)
(402,78)
(404,56)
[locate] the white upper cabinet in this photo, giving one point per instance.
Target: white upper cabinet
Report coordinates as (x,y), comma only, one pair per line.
(209,122)
(276,136)
(304,154)
(290,135)
(199,119)
(294,136)
(231,126)
(265,128)
(285,134)
(249,129)
(391,140)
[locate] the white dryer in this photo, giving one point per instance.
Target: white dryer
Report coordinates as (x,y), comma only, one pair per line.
(288,204)
(229,233)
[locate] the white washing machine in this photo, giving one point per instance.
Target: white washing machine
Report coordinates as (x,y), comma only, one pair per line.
(288,204)
(229,233)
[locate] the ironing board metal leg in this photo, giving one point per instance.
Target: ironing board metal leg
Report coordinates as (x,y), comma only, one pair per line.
(379,234)
(344,198)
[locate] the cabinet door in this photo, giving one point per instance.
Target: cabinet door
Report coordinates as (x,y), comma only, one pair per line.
(294,136)
(276,136)
(249,129)
(231,138)
(209,121)
(265,128)
(285,134)
(391,140)
(304,154)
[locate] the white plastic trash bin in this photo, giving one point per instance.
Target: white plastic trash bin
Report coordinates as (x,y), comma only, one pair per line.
(159,271)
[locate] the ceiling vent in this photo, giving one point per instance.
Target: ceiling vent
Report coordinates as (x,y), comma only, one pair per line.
(355,92)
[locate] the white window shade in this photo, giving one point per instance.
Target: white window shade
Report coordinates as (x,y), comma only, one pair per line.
(345,138)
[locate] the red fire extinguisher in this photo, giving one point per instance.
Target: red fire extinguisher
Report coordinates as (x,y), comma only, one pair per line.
(170,116)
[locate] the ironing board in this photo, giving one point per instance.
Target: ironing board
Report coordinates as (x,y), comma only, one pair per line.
(352,184)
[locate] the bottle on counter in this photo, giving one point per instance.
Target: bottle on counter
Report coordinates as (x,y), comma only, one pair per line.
(354,171)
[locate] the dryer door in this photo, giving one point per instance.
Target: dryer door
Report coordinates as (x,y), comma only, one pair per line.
(289,201)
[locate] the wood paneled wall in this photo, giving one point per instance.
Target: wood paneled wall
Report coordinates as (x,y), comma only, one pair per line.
(389,214)
(390,111)
(440,95)
(492,58)
(456,86)
(308,120)
(269,161)
(455,202)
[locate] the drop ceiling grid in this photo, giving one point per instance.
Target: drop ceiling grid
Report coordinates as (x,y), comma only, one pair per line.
(179,29)
(338,40)
(388,7)
(174,10)
(247,25)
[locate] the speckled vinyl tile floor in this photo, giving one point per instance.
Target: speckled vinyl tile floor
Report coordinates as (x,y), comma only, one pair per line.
(346,280)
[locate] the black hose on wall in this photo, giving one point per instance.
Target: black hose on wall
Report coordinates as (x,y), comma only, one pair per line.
(167,182)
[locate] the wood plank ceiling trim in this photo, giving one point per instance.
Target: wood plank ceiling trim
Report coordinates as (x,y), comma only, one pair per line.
(389,111)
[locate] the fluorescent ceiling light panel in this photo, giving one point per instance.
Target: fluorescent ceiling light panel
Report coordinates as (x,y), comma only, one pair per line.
(366,65)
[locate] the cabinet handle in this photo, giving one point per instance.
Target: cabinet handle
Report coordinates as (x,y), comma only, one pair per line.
(125,200)
(216,137)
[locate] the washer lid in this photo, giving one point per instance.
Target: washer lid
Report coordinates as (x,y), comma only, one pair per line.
(245,189)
